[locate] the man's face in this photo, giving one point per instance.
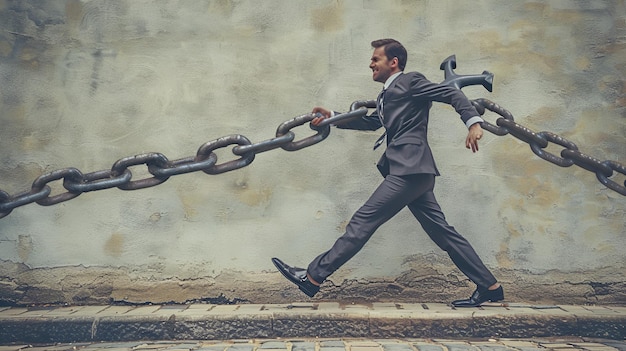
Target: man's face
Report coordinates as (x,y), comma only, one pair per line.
(382,68)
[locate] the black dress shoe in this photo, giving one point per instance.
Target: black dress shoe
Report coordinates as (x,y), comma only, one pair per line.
(479,296)
(297,276)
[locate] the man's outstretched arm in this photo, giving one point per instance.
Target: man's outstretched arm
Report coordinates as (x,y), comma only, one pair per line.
(371,122)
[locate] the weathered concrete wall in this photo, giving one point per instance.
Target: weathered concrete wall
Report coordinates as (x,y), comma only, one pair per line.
(85,83)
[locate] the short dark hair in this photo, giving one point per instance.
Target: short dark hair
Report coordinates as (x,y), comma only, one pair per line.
(392,48)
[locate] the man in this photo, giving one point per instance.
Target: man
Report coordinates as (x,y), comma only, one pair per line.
(409,170)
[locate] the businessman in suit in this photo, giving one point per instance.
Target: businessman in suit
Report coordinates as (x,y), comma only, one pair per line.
(409,171)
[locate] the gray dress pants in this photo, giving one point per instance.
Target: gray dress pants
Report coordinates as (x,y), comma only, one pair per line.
(394,193)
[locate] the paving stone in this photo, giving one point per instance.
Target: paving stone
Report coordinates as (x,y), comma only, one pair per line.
(396,347)
(493,348)
(303,346)
(618,309)
(88,311)
(274,345)
(459,346)
(212,348)
(183,347)
(250,308)
(224,309)
(557,345)
(364,348)
(13,312)
(63,311)
(332,343)
(36,312)
(240,347)
(517,343)
(159,345)
(421,346)
(385,305)
(120,345)
(362,343)
(142,311)
(114,310)
(195,310)
(588,344)
(306,305)
(328,306)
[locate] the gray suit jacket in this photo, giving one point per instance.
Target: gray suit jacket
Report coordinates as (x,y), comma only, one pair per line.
(406,106)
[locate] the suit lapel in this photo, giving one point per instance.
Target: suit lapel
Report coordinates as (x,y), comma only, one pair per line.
(380,103)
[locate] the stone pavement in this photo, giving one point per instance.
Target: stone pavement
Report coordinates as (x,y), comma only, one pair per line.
(350,344)
(79,324)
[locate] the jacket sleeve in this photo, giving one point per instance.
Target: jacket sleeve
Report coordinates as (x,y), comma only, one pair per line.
(422,88)
(371,122)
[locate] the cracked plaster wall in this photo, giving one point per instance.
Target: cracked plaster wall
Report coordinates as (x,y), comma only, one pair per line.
(85,83)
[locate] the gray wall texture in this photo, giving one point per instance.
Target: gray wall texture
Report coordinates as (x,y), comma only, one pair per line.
(85,83)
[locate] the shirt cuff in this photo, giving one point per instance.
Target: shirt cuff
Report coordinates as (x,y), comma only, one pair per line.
(332,114)
(472,120)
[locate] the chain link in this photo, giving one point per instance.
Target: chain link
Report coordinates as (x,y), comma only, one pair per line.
(161,168)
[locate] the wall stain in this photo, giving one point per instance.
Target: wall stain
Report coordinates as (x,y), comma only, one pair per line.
(328,19)
(249,195)
(115,245)
(188,201)
(24,247)
(155,217)
(543,115)
(255,197)
(503,256)
(74,12)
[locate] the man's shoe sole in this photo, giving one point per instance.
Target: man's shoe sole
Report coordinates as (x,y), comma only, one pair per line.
(499,297)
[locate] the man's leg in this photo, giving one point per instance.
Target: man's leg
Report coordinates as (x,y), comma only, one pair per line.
(429,214)
(390,197)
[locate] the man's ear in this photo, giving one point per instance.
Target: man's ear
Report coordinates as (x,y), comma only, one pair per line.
(395,62)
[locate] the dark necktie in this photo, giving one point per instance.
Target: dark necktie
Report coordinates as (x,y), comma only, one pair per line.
(379,110)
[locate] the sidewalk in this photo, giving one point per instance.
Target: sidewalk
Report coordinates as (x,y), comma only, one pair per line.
(554,344)
(306,320)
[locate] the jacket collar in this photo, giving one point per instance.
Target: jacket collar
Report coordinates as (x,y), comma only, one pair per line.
(391,79)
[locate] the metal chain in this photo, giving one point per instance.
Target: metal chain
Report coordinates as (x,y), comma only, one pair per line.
(161,168)
(539,141)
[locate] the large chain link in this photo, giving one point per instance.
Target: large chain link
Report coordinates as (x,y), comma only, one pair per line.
(161,168)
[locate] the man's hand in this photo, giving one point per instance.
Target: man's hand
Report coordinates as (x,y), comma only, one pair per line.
(325,114)
(473,135)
